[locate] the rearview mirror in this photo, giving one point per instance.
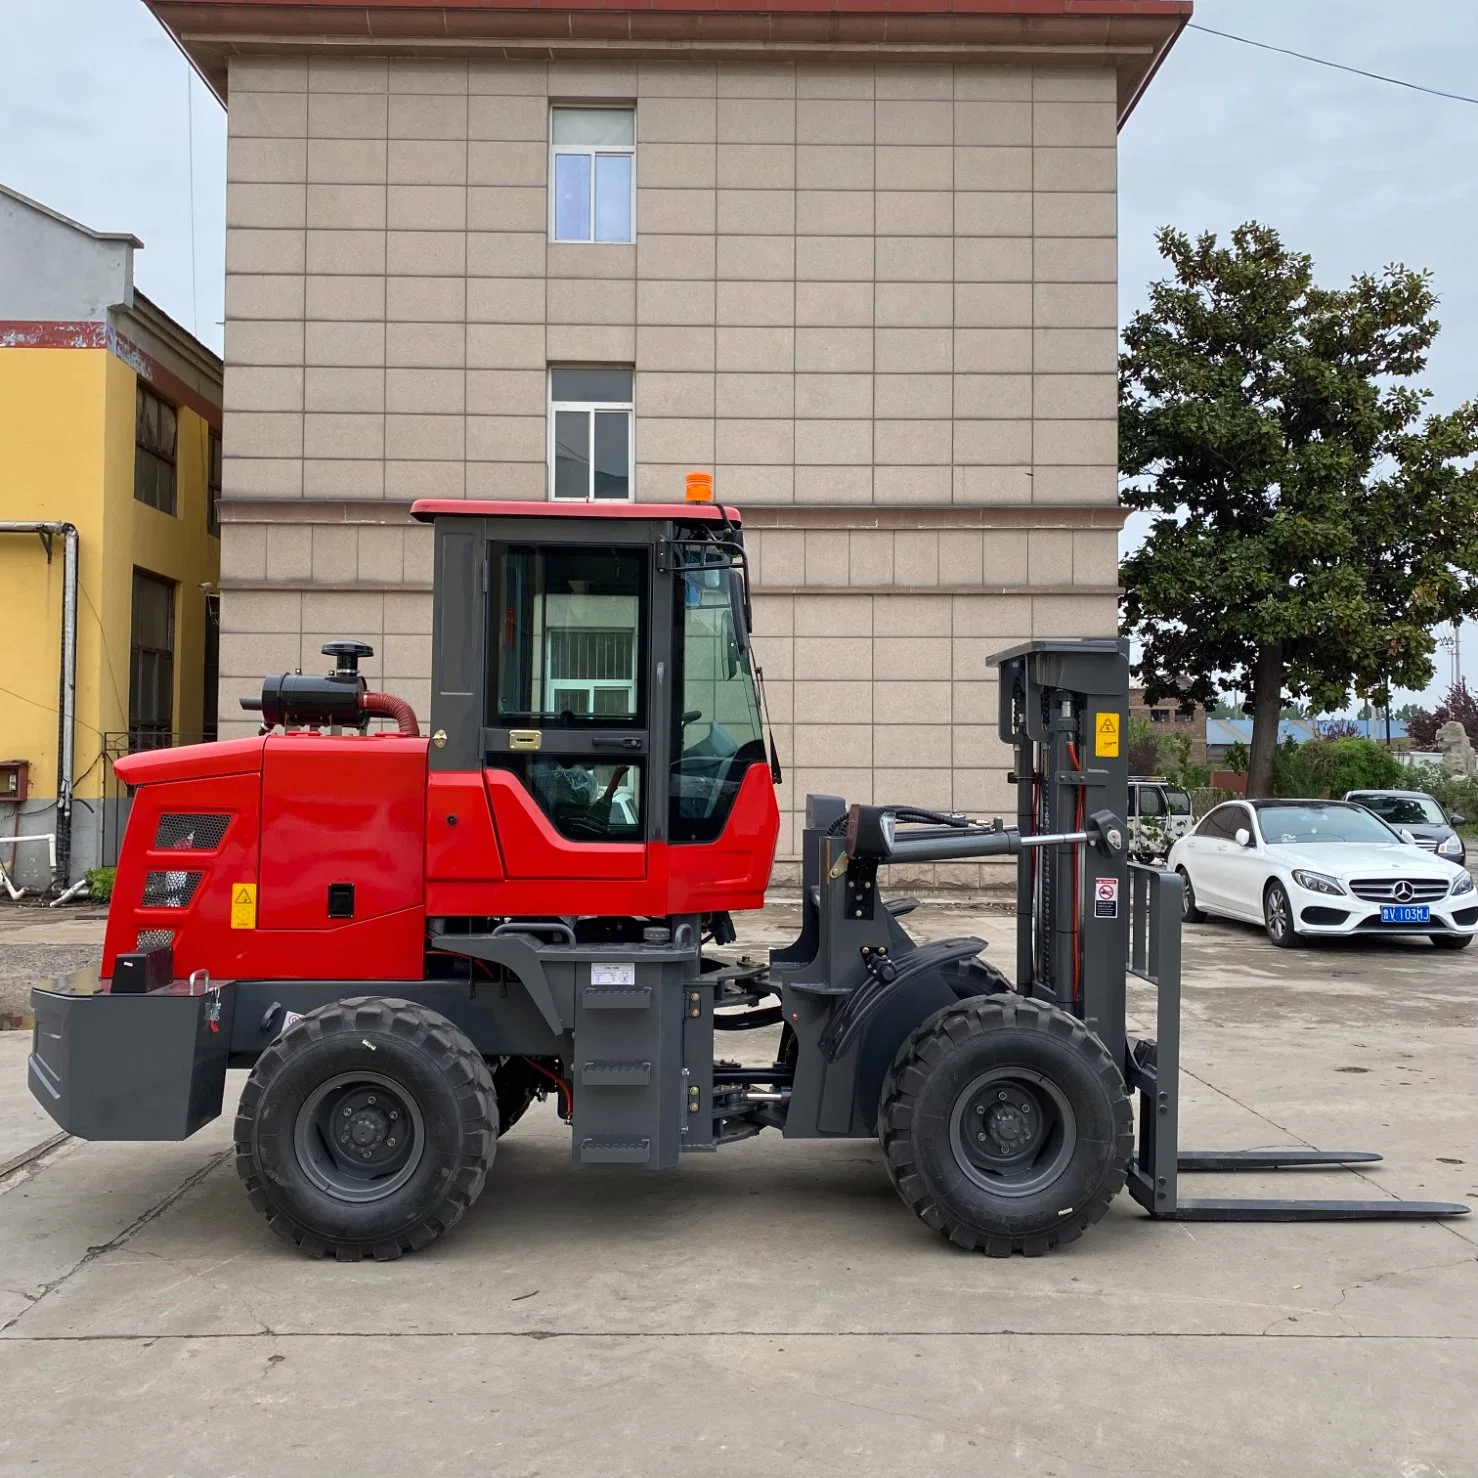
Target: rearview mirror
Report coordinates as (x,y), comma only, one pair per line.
(1243,837)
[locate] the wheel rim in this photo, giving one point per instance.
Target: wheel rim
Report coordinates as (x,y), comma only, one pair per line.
(1277,913)
(1012,1132)
(359,1137)
(1187,896)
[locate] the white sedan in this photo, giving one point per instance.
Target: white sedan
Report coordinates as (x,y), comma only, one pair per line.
(1309,868)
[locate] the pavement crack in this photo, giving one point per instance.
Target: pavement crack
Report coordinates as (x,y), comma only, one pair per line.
(122,1238)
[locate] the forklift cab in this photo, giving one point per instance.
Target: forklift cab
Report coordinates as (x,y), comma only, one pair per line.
(593,661)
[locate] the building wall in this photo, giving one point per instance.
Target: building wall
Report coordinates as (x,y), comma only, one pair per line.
(879,302)
(67,455)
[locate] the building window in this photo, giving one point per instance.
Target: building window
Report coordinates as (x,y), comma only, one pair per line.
(155,435)
(151,663)
(213,486)
(1159,715)
(593,169)
(1181,717)
(590,441)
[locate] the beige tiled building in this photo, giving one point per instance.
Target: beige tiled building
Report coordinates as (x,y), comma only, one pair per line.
(875,295)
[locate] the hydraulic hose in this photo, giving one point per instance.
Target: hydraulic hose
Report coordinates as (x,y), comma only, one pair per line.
(392,707)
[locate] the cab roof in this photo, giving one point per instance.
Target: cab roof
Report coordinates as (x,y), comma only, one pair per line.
(427,509)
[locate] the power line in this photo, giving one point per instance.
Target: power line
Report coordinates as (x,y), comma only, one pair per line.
(1320,61)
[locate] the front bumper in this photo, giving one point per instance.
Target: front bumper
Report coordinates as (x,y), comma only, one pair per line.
(1344,914)
(144,1066)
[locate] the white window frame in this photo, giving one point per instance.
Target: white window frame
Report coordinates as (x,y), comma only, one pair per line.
(590,151)
(590,407)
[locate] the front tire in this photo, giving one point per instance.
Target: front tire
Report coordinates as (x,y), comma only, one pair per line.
(367,1127)
(1451,941)
(1189,913)
(1005,1125)
(1277,917)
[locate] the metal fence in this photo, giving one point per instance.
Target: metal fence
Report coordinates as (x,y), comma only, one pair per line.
(116,796)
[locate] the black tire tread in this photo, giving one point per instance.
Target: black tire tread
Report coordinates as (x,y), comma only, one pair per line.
(954,1025)
(454,1054)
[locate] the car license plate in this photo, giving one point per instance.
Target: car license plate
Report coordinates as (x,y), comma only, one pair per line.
(1405,913)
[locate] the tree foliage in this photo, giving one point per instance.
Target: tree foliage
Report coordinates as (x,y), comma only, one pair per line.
(1460,704)
(1330,767)
(1311,523)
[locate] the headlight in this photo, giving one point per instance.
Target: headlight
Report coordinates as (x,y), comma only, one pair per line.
(1463,884)
(1452,847)
(1317,882)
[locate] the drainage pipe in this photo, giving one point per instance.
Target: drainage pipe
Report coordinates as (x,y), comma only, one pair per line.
(66,747)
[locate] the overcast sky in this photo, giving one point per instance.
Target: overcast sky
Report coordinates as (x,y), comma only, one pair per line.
(1359,173)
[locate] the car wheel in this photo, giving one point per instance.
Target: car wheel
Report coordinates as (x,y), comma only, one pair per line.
(1451,941)
(1277,917)
(1189,913)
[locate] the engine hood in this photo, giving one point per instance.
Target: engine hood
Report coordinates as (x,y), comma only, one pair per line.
(1360,859)
(190,762)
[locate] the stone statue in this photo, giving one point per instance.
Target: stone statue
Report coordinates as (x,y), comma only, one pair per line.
(1458,757)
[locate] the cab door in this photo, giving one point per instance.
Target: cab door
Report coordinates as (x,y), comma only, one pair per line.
(567,736)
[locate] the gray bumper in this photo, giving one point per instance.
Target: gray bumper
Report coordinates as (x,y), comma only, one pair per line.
(148,1066)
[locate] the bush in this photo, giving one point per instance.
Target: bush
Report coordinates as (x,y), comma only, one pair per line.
(100,882)
(1330,767)
(1173,761)
(1455,793)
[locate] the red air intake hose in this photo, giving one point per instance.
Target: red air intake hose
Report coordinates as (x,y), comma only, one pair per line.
(396,708)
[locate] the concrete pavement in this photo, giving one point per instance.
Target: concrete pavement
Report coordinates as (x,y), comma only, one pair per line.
(775,1307)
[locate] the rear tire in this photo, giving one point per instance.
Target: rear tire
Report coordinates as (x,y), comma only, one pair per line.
(367,1127)
(1005,1125)
(1189,913)
(1277,917)
(1451,941)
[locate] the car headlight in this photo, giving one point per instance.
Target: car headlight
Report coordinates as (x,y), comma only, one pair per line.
(1317,882)
(1452,847)
(1460,885)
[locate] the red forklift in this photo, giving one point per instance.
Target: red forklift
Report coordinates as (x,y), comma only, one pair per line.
(409,938)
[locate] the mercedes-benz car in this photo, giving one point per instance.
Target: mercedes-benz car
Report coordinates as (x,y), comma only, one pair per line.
(1307,868)
(1415,811)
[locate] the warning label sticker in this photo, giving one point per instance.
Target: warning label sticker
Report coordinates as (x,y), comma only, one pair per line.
(1106,898)
(1106,735)
(243,905)
(613,975)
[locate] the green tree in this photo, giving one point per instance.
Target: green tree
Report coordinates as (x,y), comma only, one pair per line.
(1312,523)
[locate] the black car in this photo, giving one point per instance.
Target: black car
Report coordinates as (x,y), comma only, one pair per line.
(1415,811)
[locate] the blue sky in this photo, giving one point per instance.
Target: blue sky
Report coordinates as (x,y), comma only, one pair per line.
(93,121)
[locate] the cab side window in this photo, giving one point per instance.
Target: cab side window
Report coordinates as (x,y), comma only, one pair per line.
(566,678)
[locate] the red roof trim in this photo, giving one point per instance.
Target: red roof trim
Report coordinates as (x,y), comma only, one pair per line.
(428,508)
(978,7)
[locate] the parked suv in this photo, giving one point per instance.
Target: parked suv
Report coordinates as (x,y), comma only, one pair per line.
(1415,811)
(1159,815)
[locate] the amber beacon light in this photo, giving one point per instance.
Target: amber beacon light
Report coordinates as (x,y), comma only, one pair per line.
(700,487)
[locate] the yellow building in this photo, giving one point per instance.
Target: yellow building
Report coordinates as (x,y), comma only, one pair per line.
(110,458)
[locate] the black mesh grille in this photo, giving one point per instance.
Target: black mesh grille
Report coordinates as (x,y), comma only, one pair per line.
(170,889)
(153,939)
(190,832)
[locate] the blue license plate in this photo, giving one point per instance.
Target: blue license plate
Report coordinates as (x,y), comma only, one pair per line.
(1405,913)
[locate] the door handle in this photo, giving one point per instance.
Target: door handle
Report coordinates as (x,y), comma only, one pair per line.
(632,743)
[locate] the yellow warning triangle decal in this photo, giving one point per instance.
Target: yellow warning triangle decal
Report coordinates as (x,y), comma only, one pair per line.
(244,896)
(1108,723)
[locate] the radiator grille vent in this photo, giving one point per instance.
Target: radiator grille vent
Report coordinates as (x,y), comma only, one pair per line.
(170,889)
(153,939)
(190,832)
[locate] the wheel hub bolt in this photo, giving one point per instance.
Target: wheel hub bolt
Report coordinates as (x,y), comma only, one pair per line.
(980,1137)
(393,1116)
(371,1099)
(365,1153)
(348,1112)
(390,1143)
(979,1108)
(1001,1096)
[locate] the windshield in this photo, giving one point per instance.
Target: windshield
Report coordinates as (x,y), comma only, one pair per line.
(1403,810)
(1306,823)
(1178,801)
